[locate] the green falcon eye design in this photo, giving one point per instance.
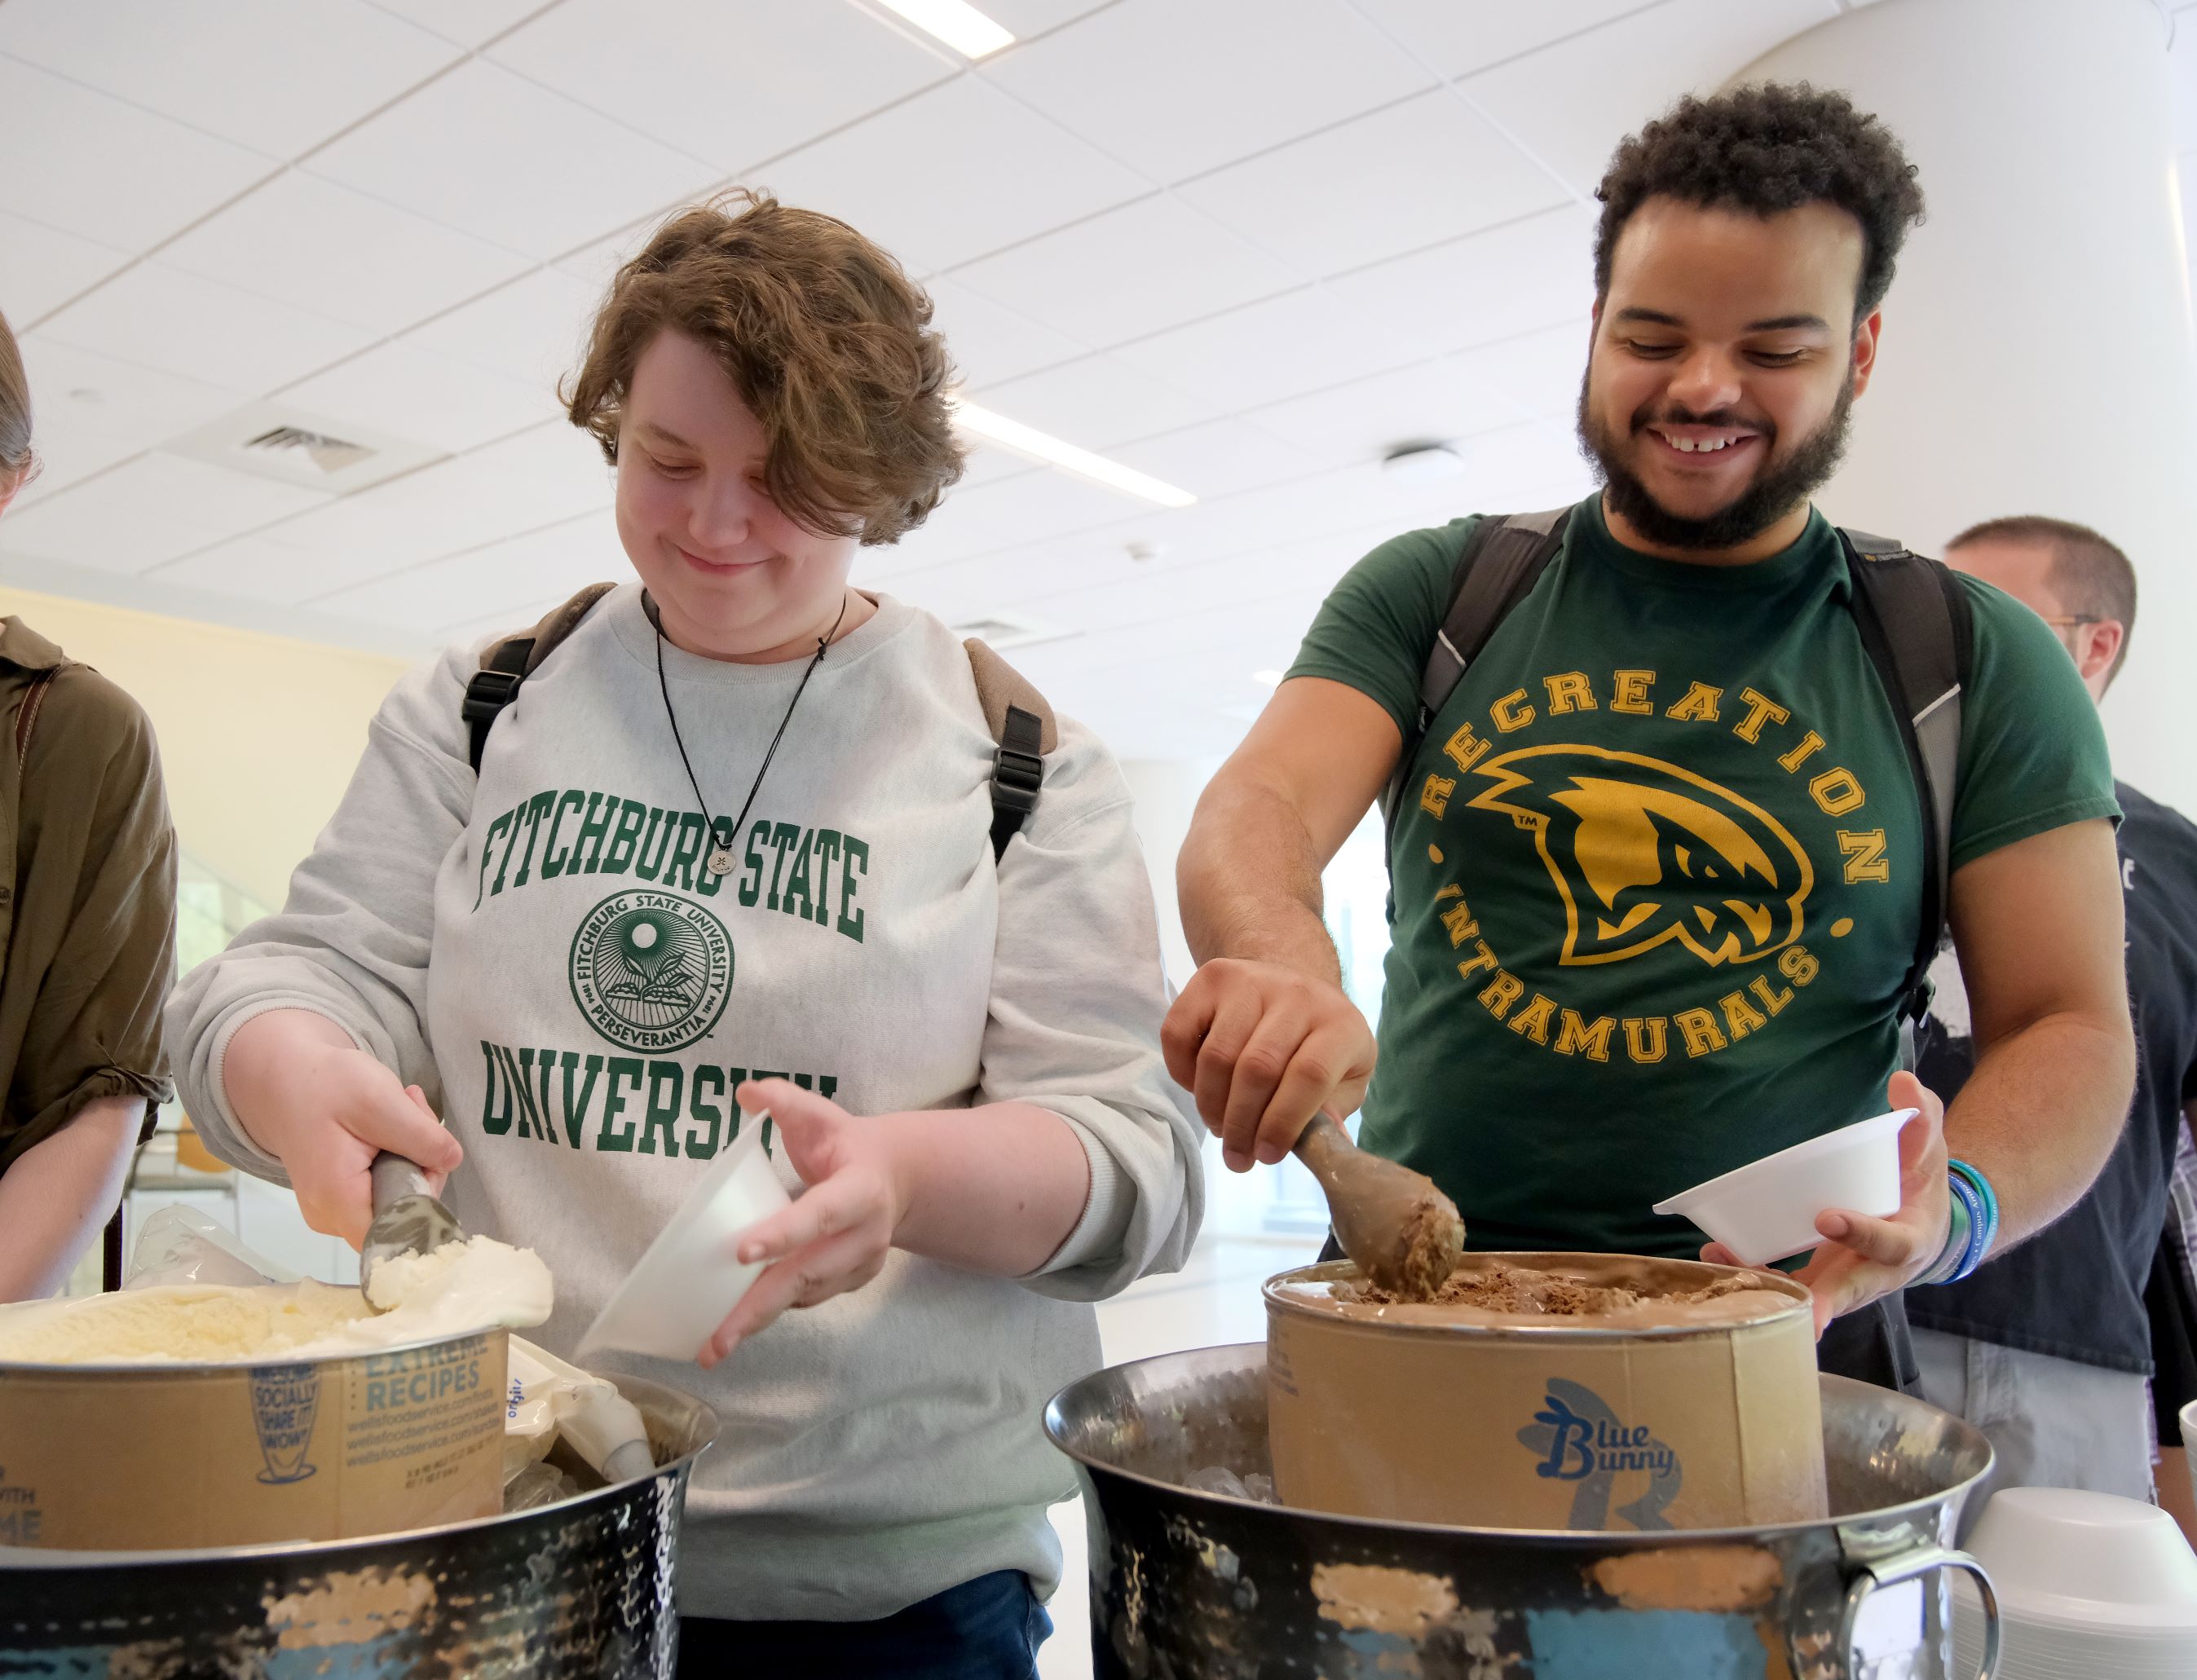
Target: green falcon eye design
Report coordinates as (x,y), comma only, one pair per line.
(650,970)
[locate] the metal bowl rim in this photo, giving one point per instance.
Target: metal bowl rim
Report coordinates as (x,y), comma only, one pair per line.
(1580,1538)
(59,1557)
(1569,1334)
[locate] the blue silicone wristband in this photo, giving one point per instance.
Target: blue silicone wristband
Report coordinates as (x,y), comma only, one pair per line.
(1955,1249)
(1978,1243)
(1989,1197)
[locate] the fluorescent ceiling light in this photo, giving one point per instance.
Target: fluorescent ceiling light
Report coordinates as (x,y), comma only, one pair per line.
(1028,440)
(955,22)
(1271,679)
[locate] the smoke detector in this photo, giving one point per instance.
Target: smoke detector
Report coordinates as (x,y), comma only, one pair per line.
(1422,463)
(314,452)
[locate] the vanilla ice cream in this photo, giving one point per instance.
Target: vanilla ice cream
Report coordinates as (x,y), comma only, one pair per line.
(473,1285)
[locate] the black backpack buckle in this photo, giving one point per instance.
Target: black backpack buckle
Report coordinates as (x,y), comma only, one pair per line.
(1016,778)
(489,693)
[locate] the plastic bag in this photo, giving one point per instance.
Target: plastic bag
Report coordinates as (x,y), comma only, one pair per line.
(547,1399)
(181,1245)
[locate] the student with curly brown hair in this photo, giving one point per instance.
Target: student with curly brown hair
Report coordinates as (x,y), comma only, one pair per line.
(731,848)
(1681,784)
(87,922)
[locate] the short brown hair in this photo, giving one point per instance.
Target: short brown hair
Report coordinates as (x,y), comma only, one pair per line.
(826,338)
(14,408)
(2089,573)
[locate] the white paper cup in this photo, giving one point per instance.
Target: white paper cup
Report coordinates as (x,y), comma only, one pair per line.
(2189,1444)
(688,1280)
(1767,1209)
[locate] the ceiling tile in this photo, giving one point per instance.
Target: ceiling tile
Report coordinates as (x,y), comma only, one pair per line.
(1570,104)
(1026,18)
(165,318)
(544,477)
(319,246)
(1393,181)
(1129,273)
(253,569)
(1220,458)
(1214,81)
(734,82)
(596,264)
(279,76)
(1459,36)
(1537,272)
(150,510)
(990,344)
(952,174)
(1096,402)
(1436,402)
(540,173)
(983,464)
(534,329)
(1280,347)
(424,396)
(104,170)
(2182,76)
(1002,514)
(1539,371)
(467,22)
(42,267)
(437,599)
(92,411)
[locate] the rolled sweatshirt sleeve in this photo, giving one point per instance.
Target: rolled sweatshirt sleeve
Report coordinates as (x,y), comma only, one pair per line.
(352,941)
(1078,995)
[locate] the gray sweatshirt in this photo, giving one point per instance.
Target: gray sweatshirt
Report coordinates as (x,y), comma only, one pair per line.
(544,951)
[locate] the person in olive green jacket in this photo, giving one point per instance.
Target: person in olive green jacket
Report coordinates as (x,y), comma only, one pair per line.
(87,924)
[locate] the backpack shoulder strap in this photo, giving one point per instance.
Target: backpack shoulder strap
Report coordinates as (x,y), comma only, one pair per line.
(1918,628)
(1023,733)
(1497,568)
(505,664)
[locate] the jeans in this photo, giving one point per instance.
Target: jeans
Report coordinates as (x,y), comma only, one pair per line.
(987,1628)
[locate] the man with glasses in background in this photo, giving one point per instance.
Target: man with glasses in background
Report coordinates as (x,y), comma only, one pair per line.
(2047,1347)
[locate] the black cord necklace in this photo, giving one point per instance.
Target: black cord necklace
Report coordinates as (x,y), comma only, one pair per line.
(722,833)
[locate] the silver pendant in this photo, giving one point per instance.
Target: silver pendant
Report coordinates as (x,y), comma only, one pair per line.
(720,860)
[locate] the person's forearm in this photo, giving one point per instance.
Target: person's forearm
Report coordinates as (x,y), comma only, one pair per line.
(60,1191)
(2041,1113)
(995,1189)
(252,1064)
(1248,878)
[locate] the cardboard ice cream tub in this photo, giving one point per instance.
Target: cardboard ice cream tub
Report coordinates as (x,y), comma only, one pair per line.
(1662,1414)
(156,1454)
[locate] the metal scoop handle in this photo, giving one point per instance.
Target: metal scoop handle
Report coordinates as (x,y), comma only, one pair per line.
(407,1218)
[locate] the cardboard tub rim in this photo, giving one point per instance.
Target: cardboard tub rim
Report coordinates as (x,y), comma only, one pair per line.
(1554,1327)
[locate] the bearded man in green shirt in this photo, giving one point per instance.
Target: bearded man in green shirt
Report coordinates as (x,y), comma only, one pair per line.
(1659,860)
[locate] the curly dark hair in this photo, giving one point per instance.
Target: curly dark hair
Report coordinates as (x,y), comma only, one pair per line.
(1771,146)
(825,337)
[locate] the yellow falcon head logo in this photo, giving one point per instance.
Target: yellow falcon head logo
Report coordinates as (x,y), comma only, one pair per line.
(1643,851)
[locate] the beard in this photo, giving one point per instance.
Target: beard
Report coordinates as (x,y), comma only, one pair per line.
(1778,486)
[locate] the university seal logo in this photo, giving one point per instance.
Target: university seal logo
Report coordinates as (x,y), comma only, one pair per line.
(651,970)
(1643,852)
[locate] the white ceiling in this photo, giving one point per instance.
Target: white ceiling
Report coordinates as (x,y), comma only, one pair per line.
(1244,246)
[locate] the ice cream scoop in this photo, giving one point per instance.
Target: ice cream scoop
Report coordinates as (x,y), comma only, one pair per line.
(407,1218)
(1400,1230)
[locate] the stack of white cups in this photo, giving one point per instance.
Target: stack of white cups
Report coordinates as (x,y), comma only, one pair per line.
(2090,1587)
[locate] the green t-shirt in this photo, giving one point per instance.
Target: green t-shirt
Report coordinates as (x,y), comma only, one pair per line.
(1658,873)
